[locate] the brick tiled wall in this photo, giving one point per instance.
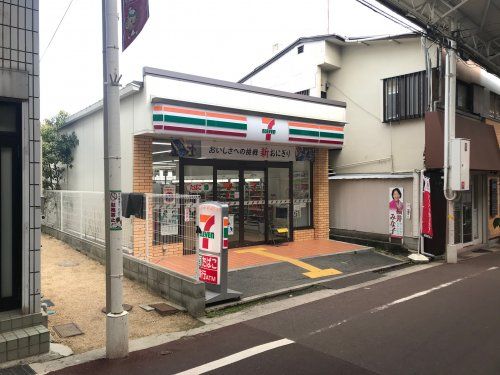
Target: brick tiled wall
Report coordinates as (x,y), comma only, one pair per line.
(321,209)
(142,183)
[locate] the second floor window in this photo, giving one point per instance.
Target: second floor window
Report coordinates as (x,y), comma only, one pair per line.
(405,97)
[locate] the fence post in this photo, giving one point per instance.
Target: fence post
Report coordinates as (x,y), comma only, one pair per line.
(146,240)
(81,215)
(62,211)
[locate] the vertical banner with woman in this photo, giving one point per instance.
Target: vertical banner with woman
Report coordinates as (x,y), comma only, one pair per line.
(396,208)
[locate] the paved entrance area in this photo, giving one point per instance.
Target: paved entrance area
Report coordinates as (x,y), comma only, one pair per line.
(253,256)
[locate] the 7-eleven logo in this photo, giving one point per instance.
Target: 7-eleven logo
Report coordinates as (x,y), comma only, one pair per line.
(269,131)
(206,223)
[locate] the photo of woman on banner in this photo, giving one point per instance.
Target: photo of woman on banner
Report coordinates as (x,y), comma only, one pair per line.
(396,208)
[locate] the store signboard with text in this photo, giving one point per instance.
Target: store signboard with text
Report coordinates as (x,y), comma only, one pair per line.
(206,124)
(247,151)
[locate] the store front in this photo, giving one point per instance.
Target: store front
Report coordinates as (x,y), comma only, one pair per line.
(267,199)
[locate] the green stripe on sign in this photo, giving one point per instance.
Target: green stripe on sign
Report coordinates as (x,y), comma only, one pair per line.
(227,125)
(157,117)
(332,135)
(184,120)
(310,133)
(226,233)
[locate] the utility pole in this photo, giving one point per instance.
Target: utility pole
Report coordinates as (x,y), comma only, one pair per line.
(449,134)
(116,318)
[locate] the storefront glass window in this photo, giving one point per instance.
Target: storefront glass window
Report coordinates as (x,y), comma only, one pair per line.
(198,180)
(279,197)
(165,168)
(302,194)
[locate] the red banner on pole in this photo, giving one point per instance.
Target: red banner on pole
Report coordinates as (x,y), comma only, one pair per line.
(135,13)
(426,229)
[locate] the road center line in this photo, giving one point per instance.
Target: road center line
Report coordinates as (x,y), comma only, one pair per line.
(236,357)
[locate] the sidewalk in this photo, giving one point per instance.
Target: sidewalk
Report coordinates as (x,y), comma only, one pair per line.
(245,257)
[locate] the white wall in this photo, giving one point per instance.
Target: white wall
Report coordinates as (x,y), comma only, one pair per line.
(370,145)
(87,173)
(295,72)
(363,205)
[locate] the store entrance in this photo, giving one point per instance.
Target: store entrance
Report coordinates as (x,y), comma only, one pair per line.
(244,191)
(257,195)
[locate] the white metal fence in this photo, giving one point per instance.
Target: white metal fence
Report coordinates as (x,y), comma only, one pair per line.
(168,226)
(81,214)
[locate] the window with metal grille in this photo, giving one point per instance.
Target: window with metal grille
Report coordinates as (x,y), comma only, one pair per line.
(493,201)
(303,92)
(494,105)
(300,49)
(405,97)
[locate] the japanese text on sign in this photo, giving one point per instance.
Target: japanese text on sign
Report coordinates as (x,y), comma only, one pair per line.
(208,266)
(115,210)
(221,150)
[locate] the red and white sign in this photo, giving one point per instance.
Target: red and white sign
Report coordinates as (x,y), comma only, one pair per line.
(170,194)
(426,229)
(209,269)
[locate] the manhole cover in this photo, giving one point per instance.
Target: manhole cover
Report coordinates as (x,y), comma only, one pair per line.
(68,263)
(67,330)
(125,306)
(481,251)
(164,309)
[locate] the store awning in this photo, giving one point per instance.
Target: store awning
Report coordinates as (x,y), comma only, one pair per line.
(484,151)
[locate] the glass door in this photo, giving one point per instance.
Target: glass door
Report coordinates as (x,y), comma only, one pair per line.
(254,191)
(10,208)
(228,191)
(279,199)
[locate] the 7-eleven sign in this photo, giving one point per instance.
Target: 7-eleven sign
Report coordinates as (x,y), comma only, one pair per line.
(210,224)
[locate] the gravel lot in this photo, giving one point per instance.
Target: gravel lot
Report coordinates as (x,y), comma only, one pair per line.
(76,285)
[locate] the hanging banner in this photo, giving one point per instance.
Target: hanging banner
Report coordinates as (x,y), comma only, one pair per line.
(396,208)
(135,13)
(426,229)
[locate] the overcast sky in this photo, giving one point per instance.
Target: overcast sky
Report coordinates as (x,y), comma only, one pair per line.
(222,39)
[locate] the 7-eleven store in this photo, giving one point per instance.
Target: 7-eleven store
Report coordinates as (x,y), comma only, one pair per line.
(263,152)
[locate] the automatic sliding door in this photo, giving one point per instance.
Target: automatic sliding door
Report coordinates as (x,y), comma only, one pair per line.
(254,207)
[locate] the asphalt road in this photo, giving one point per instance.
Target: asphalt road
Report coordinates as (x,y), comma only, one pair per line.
(443,320)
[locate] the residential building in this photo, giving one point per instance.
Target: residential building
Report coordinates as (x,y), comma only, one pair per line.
(23,329)
(258,150)
(394,90)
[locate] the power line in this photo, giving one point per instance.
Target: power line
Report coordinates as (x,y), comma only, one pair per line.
(55,31)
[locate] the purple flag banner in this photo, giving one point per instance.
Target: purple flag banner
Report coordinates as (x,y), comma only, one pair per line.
(135,13)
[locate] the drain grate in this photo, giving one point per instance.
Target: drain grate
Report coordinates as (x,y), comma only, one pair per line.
(67,330)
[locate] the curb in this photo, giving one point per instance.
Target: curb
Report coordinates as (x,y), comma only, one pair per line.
(279,292)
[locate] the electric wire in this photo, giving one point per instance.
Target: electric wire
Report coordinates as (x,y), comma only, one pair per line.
(57,28)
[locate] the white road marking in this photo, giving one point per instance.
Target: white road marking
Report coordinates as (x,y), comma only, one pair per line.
(398,301)
(416,295)
(236,357)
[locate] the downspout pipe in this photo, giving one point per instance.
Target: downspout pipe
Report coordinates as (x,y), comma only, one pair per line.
(449,113)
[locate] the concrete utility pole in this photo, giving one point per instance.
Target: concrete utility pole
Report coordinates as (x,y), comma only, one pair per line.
(449,134)
(116,319)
